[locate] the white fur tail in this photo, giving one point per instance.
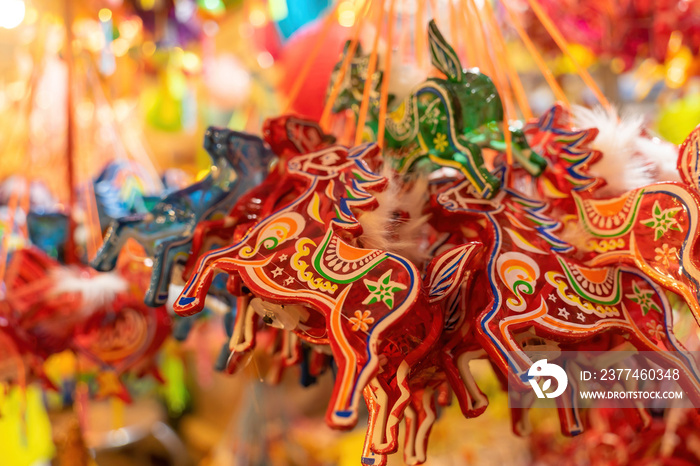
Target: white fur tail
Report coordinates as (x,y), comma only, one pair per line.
(96,290)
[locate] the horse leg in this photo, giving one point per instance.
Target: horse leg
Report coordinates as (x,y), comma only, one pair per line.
(471,399)
(243,337)
(189,302)
(530,160)
(376,400)
(397,411)
(118,233)
(417,435)
(678,359)
(202,237)
(468,160)
(167,254)
(499,344)
(568,410)
(479,401)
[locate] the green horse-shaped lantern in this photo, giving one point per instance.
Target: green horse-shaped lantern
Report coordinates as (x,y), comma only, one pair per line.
(450,121)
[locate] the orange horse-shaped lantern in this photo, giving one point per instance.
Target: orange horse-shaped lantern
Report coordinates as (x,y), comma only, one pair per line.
(538,284)
(368,305)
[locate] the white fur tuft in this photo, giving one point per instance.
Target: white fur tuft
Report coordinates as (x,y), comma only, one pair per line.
(96,290)
(621,166)
(404,77)
(630,158)
(382,230)
(663,156)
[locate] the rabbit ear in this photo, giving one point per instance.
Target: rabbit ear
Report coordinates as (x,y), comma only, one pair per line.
(443,57)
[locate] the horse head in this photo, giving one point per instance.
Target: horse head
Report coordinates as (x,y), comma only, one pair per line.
(244,153)
(344,176)
(289,135)
(351,88)
(463,198)
(567,150)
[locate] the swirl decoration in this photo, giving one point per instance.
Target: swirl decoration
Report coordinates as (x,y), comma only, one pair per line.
(301,266)
(283,228)
(519,273)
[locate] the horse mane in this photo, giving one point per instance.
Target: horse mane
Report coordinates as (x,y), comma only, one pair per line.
(565,148)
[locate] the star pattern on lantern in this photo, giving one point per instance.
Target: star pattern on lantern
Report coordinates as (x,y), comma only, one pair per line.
(277,272)
(382,290)
(563,313)
(662,220)
(361,321)
(643,298)
(282,257)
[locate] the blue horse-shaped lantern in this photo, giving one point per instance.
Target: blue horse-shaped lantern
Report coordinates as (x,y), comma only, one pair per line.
(239,162)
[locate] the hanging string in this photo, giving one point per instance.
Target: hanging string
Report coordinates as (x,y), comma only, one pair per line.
(420,33)
(434,10)
(403,34)
(536,56)
(352,48)
(469,50)
(495,61)
(304,72)
(25,205)
(501,87)
(564,46)
(372,66)
(472,28)
(502,53)
(453,26)
(4,241)
(349,127)
(92,221)
(384,95)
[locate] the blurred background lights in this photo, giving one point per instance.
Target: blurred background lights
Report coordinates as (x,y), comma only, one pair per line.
(257,17)
(265,60)
(105,15)
(346,14)
(11,13)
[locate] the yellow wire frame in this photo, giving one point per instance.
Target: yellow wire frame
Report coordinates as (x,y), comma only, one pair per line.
(384,96)
(335,90)
(304,72)
(536,56)
(501,87)
(564,46)
(502,53)
(372,66)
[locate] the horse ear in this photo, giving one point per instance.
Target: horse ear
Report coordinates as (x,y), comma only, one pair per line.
(443,57)
(689,159)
